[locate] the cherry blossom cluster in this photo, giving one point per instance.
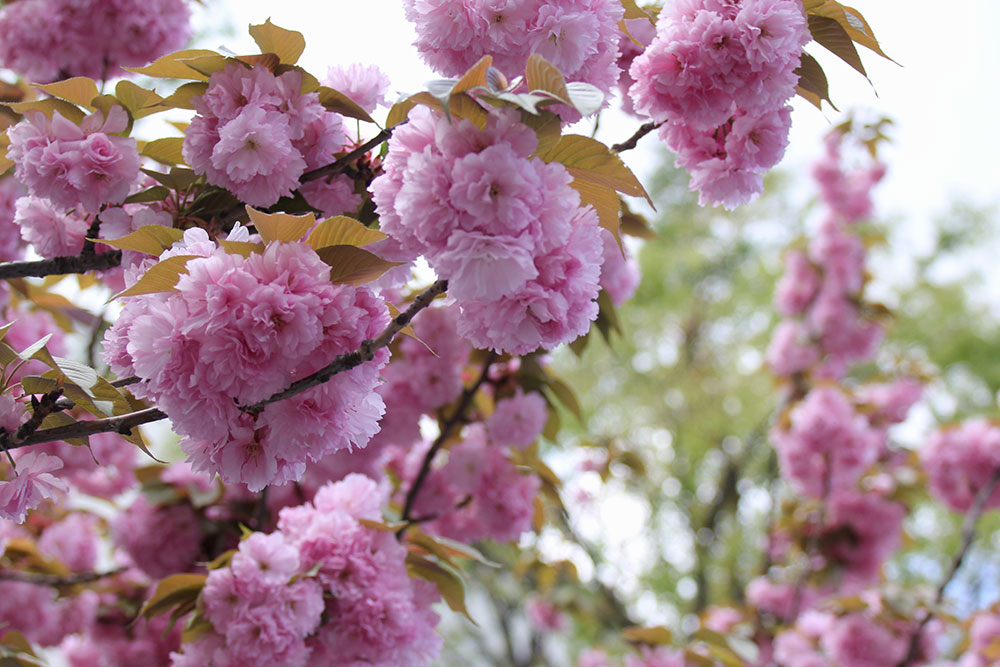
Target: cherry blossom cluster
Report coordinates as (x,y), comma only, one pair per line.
(324,589)
(479,492)
(48,40)
(237,330)
(85,165)
(255,133)
(522,258)
(717,77)
(579,37)
(820,294)
(960,461)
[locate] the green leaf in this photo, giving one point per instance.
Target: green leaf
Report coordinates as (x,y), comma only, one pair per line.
(207,65)
(342,230)
(447,579)
(173,591)
(352,265)
(589,160)
(139,101)
(547,126)
(334,100)
(566,396)
(281,226)
(288,45)
(179,178)
(79,90)
(154,193)
(832,35)
(48,107)
(148,239)
(161,277)
(241,248)
(183,97)
(606,203)
(57,419)
(168,150)
(172,66)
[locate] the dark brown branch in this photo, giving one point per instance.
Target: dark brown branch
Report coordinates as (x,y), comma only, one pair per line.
(40,409)
(349,360)
(969,524)
(344,161)
(57,579)
(121,424)
(124,382)
(61,265)
(633,141)
(464,401)
(92,233)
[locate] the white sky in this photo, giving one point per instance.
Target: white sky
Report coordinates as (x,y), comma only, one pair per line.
(944,98)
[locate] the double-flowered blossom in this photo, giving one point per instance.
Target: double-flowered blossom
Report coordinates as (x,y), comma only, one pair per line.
(325,589)
(718,75)
(75,166)
(31,483)
(237,330)
(960,461)
(256,133)
(47,40)
(860,531)
(579,37)
(827,443)
(522,257)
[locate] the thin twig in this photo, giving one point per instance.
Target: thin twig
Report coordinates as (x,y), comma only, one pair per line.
(633,141)
(446,429)
(61,265)
(349,360)
(969,524)
(57,579)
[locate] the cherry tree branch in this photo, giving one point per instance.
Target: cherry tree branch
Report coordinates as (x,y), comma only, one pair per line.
(349,360)
(119,424)
(61,265)
(343,161)
(633,141)
(446,429)
(969,524)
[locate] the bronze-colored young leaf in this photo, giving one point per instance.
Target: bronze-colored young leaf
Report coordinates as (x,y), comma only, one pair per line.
(342,230)
(584,97)
(161,277)
(831,34)
(288,45)
(851,19)
(148,239)
(400,111)
(168,150)
(334,100)
(540,74)
(635,225)
(474,77)
(813,85)
(172,66)
(79,90)
(633,11)
(547,127)
(352,265)
(464,107)
(590,160)
(656,635)
(175,590)
(280,226)
(178,178)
